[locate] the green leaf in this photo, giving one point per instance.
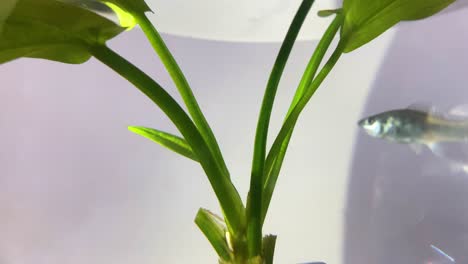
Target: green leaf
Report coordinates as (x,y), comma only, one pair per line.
(133,11)
(225,191)
(367,19)
(132,6)
(214,229)
(254,201)
(172,142)
(276,155)
(269,242)
(126,10)
(6,7)
(184,89)
(51,30)
(126,19)
(328,12)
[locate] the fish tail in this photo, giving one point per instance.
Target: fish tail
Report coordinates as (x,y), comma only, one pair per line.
(455,153)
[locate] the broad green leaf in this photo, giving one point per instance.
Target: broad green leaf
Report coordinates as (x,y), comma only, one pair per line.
(130,6)
(126,20)
(93,5)
(214,229)
(107,9)
(172,142)
(6,7)
(52,30)
(367,19)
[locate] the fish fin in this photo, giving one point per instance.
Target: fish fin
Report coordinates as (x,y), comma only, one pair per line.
(459,111)
(458,168)
(421,106)
(431,110)
(417,148)
(436,149)
(455,153)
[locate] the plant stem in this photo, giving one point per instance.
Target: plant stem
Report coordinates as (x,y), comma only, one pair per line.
(274,160)
(183,87)
(316,59)
(291,120)
(225,191)
(254,203)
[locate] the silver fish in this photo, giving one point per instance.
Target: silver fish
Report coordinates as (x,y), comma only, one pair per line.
(417,128)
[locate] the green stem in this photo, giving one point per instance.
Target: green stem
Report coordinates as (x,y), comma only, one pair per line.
(225,191)
(183,87)
(274,160)
(316,59)
(291,120)
(254,203)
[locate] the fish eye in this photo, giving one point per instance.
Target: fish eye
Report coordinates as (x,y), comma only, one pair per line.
(371,120)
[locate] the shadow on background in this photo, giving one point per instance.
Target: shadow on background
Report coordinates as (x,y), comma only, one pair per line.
(399,203)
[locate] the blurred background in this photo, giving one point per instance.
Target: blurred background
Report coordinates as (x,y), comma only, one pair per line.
(77,187)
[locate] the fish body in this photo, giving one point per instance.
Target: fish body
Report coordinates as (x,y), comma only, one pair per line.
(416,128)
(409,126)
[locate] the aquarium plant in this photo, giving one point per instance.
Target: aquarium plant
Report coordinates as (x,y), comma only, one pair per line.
(73,31)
